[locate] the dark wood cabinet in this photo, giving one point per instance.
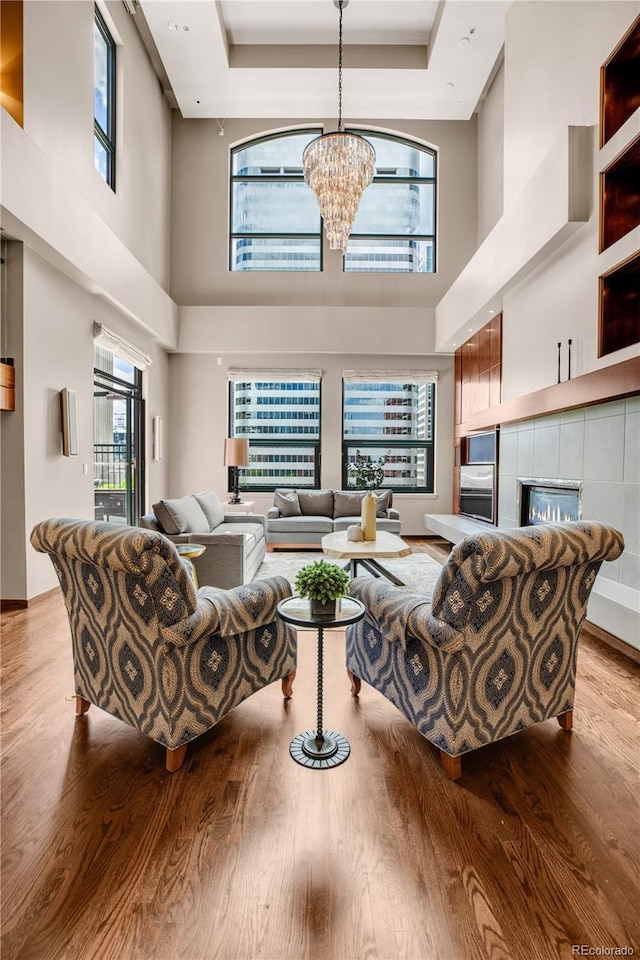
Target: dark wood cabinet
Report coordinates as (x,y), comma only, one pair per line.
(620,195)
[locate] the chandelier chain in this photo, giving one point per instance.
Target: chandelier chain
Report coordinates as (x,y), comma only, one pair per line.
(340,70)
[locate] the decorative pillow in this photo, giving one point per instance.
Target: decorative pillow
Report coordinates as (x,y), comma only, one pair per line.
(347,503)
(287,503)
(184,515)
(316,503)
(211,507)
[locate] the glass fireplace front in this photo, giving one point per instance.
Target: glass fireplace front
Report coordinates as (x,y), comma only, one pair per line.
(549,501)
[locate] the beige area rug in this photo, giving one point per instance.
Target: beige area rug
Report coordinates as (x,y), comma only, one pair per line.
(418,571)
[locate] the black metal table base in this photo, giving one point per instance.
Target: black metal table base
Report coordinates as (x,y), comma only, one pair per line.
(373,567)
(309,750)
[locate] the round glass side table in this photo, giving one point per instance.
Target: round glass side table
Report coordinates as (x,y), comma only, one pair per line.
(189,551)
(320,748)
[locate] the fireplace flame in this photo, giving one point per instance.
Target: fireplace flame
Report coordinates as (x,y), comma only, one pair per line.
(550,515)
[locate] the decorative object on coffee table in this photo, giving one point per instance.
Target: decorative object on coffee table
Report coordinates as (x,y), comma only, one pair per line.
(367,474)
(320,748)
(354,533)
(322,584)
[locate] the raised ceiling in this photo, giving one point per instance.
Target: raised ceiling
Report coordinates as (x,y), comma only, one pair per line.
(403,59)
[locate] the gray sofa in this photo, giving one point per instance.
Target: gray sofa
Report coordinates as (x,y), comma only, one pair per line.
(235,543)
(301,518)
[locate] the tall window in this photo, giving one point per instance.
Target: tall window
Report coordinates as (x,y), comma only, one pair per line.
(392,419)
(118,426)
(104,88)
(281,419)
(275,219)
(395,227)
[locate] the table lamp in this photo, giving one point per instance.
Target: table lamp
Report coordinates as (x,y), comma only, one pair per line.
(236,454)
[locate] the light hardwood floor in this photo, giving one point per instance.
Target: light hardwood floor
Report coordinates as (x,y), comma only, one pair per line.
(244,855)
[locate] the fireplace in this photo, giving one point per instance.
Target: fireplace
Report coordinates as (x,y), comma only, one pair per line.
(549,501)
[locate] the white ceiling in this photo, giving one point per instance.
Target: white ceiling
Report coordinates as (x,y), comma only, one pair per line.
(403,59)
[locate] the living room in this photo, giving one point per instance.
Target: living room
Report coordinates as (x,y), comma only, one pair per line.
(518,230)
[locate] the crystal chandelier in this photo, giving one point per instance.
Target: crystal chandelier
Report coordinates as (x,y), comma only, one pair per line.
(338,166)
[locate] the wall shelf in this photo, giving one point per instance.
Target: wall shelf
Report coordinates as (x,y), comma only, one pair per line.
(614,382)
(7,386)
(620,307)
(620,196)
(620,84)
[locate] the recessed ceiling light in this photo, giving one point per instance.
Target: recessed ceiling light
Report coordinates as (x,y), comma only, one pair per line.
(470,329)
(186,29)
(172,25)
(457,103)
(448,86)
(491,312)
(197,101)
(464,41)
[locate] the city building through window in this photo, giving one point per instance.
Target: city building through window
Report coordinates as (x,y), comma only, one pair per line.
(104,81)
(281,419)
(391,422)
(275,219)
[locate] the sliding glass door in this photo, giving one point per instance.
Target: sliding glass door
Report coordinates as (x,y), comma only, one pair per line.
(118,417)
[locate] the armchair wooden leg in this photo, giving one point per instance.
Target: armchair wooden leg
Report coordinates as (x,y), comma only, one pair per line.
(356,683)
(452,766)
(175,758)
(566,720)
(82,706)
(287,685)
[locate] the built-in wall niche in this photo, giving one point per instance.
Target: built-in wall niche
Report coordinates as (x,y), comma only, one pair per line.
(620,195)
(620,84)
(620,307)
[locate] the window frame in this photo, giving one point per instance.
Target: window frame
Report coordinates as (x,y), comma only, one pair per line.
(415,145)
(390,443)
(270,178)
(256,443)
(107,138)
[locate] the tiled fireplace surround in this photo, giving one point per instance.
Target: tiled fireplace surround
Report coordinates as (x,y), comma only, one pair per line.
(599,446)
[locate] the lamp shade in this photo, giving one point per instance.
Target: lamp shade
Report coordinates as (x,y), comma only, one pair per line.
(236,452)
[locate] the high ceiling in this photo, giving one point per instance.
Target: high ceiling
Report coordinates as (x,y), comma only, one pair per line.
(403,59)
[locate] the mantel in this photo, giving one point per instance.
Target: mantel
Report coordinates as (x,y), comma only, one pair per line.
(609,383)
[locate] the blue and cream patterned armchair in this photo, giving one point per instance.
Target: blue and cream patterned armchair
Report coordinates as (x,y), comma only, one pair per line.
(495,649)
(147,647)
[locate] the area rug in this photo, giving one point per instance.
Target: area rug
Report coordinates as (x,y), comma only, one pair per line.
(418,571)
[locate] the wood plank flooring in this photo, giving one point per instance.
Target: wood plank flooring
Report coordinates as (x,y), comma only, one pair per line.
(244,855)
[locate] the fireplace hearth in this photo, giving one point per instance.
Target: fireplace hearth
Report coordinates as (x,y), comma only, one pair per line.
(549,501)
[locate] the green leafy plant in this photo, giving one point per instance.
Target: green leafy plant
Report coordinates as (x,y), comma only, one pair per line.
(322,581)
(365,473)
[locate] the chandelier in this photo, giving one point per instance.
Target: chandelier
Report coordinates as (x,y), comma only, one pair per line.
(338,166)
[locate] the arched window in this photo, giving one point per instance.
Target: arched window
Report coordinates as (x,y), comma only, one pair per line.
(395,227)
(275,220)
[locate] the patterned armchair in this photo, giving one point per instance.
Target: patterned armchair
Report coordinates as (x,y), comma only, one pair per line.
(150,650)
(495,650)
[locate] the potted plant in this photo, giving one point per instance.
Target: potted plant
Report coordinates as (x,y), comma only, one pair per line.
(367,474)
(322,583)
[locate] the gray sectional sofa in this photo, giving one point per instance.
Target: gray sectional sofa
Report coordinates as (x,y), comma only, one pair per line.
(301,518)
(235,542)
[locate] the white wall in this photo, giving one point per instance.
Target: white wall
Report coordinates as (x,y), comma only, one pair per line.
(539,264)
(200,182)
(58,352)
(553,55)
(89,253)
(199,421)
(58,117)
(491,156)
